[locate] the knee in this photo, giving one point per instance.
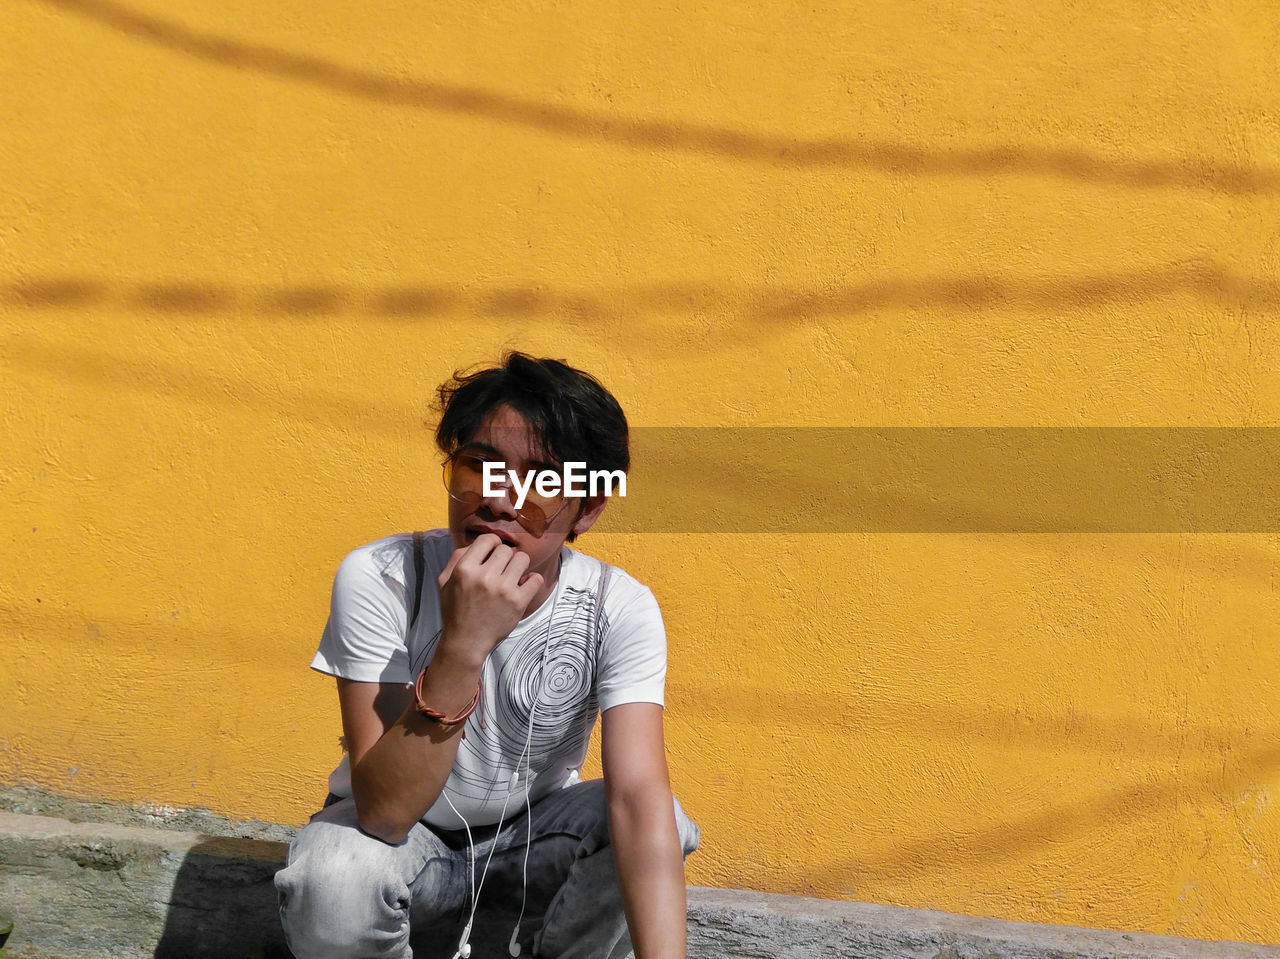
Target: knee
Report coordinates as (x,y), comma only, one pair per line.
(341,895)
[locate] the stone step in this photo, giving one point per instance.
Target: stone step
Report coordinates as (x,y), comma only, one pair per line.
(84,890)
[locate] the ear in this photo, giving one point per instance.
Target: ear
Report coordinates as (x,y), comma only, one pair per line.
(592,507)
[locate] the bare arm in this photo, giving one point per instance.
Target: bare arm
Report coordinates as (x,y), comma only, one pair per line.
(643,828)
(399,758)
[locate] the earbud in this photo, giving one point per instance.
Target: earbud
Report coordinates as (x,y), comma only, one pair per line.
(513,947)
(464,947)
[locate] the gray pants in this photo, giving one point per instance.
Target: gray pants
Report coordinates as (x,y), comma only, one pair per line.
(346,894)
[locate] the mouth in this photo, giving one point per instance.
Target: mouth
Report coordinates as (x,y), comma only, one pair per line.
(473,534)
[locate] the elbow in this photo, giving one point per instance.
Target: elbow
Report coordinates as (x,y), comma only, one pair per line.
(376,817)
(387,807)
(379,826)
(389,835)
(640,803)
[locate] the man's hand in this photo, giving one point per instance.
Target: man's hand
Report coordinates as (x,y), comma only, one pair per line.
(484,590)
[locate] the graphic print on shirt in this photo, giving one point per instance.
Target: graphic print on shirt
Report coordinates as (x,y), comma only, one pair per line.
(564,693)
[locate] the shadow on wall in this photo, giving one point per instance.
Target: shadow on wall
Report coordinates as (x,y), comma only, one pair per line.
(1042,297)
(1206,278)
(895,158)
(1028,837)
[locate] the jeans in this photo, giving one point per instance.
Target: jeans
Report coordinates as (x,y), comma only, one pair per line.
(346,894)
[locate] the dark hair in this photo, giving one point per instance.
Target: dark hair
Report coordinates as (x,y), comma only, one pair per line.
(573,417)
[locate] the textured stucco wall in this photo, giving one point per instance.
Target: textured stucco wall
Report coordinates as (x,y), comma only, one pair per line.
(241,242)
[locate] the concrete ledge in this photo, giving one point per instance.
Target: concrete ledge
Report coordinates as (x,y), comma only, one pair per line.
(93,889)
(732,923)
(104,889)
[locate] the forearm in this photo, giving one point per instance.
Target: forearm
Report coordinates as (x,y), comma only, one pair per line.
(650,872)
(397,779)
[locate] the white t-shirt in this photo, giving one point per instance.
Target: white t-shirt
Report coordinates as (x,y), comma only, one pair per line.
(594,660)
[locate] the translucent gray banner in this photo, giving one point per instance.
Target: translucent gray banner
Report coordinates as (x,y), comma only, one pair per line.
(950,480)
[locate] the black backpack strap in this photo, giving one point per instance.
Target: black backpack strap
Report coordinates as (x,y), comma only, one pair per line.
(419,570)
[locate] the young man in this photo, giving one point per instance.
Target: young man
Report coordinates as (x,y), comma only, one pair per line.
(470,664)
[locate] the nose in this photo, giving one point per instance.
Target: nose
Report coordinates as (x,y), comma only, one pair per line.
(502,506)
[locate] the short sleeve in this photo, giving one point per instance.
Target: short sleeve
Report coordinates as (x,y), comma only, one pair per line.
(632,664)
(364,639)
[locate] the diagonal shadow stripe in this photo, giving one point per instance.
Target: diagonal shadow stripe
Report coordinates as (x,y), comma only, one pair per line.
(1056,824)
(881,156)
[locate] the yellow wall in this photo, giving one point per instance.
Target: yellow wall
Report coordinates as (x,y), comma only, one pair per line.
(241,242)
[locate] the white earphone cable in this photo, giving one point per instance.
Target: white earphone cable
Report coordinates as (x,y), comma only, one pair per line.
(464,946)
(525,757)
(464,949)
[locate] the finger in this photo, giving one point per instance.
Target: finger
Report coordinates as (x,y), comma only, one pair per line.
(476,554)
(448,567)
(529,586)
(496,562)
(468,552)
(516,565)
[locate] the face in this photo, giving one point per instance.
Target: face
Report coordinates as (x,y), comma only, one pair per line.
(505,436)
